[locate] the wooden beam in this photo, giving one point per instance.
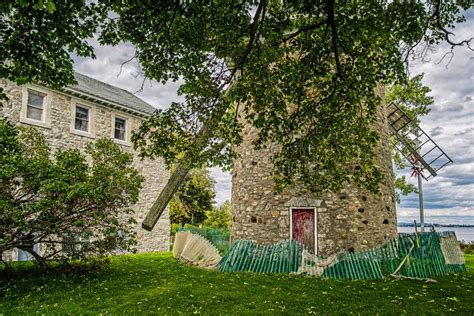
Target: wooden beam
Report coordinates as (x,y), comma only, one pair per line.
(184,166)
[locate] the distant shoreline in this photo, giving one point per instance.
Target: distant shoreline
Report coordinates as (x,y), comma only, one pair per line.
(435,225)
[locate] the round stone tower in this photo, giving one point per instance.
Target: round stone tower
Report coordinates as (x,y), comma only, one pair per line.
(352,219)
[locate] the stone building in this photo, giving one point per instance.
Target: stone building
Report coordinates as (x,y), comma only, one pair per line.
(78,114)
(352,219)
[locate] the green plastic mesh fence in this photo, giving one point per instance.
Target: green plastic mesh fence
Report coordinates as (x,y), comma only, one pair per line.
(220,238)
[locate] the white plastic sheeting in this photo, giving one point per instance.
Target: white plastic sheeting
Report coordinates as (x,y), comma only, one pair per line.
(196,250)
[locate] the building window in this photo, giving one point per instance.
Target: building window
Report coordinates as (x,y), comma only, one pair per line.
(25,255)
(35,105)
(120,131)
(74,243)
(82,117)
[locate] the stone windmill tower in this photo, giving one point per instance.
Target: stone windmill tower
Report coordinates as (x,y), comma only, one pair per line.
(353,219)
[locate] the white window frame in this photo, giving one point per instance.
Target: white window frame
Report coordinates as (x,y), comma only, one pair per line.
(91,124)
(45,115)
(29,257)
(315,223)
(127,141)
(17,252)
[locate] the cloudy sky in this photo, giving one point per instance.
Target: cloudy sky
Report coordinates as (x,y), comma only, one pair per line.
(449,198)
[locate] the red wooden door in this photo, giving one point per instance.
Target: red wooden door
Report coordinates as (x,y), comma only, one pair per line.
(303,227)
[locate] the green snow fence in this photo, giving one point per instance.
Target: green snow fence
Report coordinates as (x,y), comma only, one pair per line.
(423,252)
(421,256)
(220,238)
(244,255)
(355,266)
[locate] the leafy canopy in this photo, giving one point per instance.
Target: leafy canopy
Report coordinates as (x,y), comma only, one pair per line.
(71,208)
(303,73)
(38,38)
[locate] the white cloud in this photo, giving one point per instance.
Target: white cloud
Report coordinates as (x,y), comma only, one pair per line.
(107,67)
(449,196)
(223,184)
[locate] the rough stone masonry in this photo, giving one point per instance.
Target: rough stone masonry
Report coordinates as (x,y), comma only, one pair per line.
(353,219)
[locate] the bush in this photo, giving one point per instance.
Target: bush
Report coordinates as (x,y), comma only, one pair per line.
(220,217)
(60,206)
(467,247)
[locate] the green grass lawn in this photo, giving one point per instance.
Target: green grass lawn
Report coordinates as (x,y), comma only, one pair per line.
(156,283)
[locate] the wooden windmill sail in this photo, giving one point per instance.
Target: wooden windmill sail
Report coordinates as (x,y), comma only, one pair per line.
(416,145)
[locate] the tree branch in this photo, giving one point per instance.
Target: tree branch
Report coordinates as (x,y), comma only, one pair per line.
(306,28)
(126,62)
(332,23)
(253,31)
(448,33)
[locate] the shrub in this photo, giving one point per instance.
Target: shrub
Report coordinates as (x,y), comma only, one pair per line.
(220,217)
(67,205)
(467,247)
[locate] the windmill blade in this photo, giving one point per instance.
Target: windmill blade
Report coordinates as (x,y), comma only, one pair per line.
(415,144)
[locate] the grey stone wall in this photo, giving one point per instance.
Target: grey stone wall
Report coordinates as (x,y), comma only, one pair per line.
(352,219)
(59,135)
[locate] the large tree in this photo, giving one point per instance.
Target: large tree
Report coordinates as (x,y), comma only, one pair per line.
(304,73)
(194,199)
(220,217)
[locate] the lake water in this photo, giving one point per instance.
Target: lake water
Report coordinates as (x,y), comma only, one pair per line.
(462,233)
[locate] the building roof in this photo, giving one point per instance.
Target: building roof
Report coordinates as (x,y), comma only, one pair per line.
(108,95)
